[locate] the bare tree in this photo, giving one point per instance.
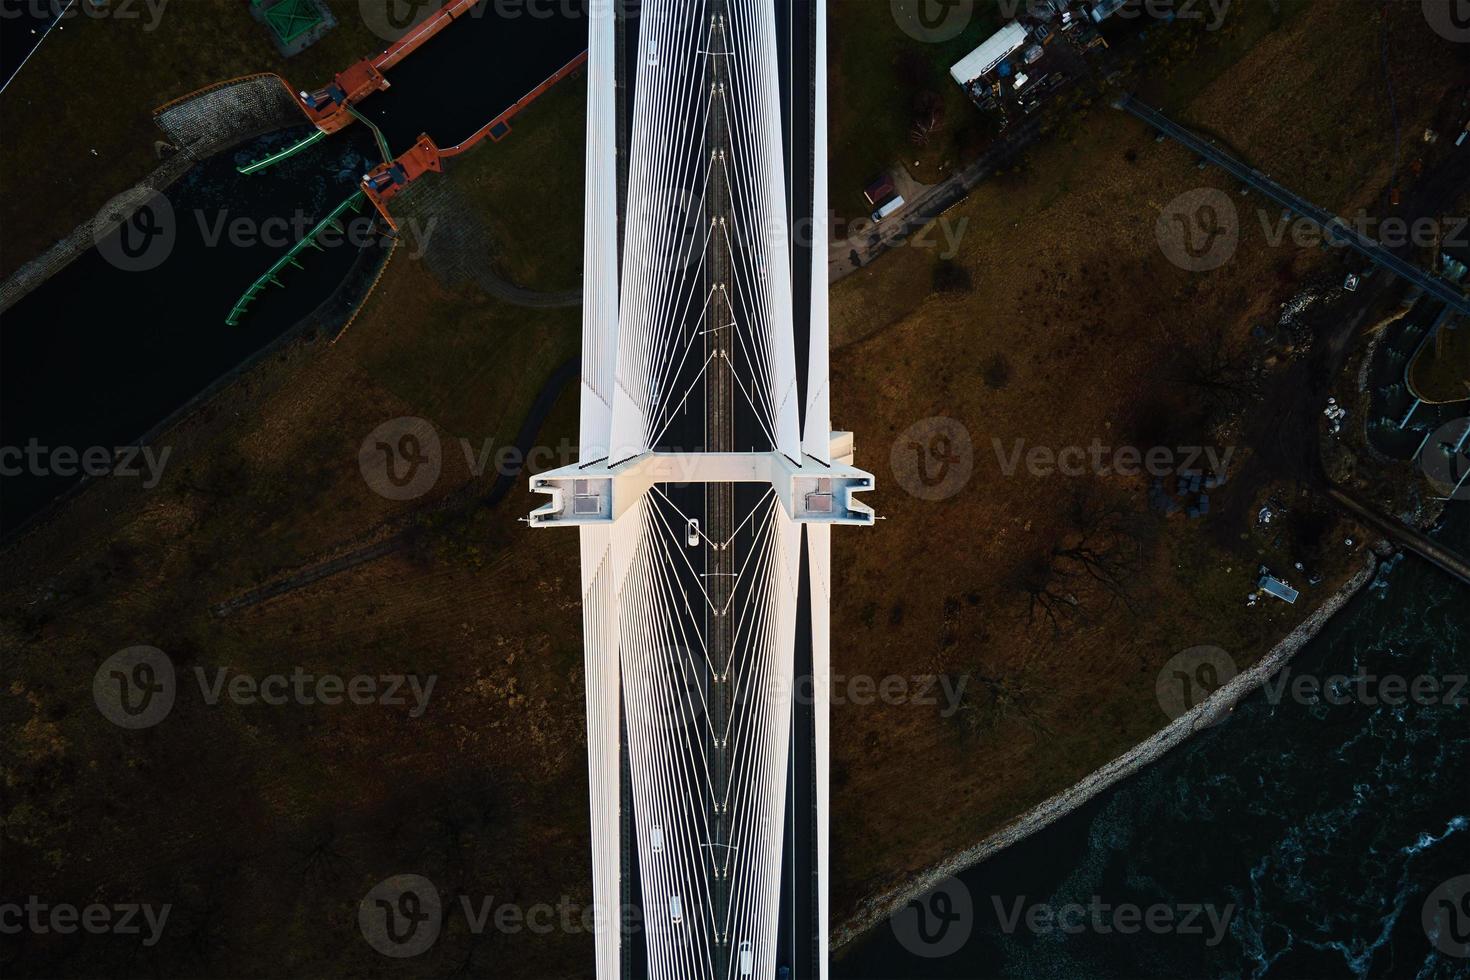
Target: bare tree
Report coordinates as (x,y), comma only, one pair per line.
(928,118)
(1104,545)
(1047,600)
(1224,378)
(1099,555)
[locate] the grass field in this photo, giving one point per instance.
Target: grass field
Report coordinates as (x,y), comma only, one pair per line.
(529,189)
(485,794)
(1096,332)
(880,81)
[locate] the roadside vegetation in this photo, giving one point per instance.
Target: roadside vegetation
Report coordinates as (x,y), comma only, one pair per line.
(891,101)
(485,793)
(1442,371)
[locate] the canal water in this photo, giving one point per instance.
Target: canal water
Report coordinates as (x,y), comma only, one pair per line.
(1315,833)
(474,70)
(114,343)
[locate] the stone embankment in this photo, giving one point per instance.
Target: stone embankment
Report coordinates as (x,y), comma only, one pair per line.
(1150,750)
(197,126)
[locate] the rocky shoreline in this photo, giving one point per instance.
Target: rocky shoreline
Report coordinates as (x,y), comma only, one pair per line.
(880,906)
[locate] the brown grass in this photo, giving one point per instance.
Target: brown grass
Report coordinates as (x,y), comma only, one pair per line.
(1073,292)
(263,826)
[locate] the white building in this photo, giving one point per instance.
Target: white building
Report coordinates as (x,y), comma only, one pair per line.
(997,48)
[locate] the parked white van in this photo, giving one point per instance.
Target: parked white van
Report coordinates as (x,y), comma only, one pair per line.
(892,205)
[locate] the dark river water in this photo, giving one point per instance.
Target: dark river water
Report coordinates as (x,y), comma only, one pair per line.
(475,69)
(116,341)
(1315,834)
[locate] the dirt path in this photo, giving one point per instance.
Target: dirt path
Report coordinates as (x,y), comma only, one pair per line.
(853,253)
(566,374)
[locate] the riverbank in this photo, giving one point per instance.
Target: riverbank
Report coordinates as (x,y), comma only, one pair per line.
(321,324)
(213,121)
(120,63)
(1209,712)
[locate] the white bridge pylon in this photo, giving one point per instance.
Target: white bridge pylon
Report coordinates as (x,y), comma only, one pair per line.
(706,472)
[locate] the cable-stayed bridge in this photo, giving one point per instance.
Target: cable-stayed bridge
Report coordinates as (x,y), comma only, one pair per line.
(707,483)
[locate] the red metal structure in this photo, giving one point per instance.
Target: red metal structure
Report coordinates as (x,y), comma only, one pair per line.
(386,180)
(328,107)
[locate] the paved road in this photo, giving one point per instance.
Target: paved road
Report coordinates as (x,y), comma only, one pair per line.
(1336,229)
(933,202)
(1403,535)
